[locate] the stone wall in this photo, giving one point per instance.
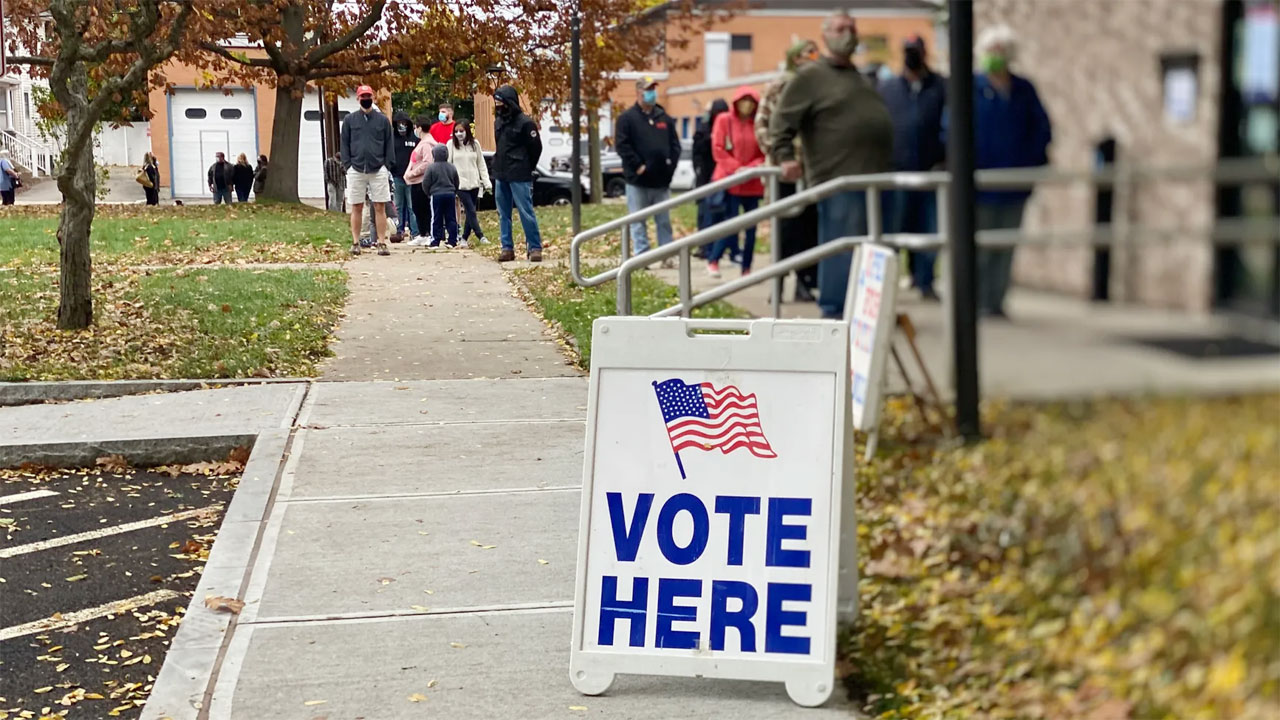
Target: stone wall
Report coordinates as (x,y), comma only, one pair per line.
(1096,65)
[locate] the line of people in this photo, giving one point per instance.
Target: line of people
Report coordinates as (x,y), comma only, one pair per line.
(224,178)
(431,165)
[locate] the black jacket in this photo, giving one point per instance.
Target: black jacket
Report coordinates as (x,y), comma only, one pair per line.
(242,177)
(917,121)
(519,143)
(405,142)
(704,163)
(647,140)
(220,175)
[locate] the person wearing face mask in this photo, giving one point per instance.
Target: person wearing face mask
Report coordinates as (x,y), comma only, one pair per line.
(406,142)
(1011,130)
(916,100)
(419,162)
(442,130)
(800,232)
(516,157)
(650,148)
(844,127)
(368,149)
(467,156)
(734,146)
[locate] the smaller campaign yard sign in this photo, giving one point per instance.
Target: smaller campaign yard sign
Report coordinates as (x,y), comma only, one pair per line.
(709,542)
(872,297)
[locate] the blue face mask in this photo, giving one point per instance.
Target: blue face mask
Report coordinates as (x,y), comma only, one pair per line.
(650,96)
(444,117)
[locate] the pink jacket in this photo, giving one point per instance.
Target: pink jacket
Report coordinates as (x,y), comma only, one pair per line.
(734,146)
(419,159)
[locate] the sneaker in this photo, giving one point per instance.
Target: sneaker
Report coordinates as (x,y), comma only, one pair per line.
(804,294)
(668,263)
(383,249)
(713,269)
(433,245)
(535,256)
(746,272)
(463,244)
(355,250)
(484,240)
(418,241)
(398,237)
(507,255)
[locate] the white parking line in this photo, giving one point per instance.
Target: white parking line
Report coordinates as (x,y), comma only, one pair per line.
(104,532)
(115,607)
(29,495)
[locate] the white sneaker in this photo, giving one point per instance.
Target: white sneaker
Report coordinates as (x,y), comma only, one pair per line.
(463,244)
(418,241)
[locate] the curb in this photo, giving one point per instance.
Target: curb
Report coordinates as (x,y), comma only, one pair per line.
(145,452)
(178,692)
(30,393)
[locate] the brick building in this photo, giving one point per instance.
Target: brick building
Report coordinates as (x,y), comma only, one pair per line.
(1155,82)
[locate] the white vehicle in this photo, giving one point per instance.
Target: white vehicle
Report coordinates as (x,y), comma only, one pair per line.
(685,178)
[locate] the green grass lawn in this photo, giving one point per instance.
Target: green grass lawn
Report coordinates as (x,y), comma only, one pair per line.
(174,323)
(556,226)
(141,235)
(571,309)
(1111,559)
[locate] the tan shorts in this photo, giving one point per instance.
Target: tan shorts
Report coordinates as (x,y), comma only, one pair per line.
(372,186)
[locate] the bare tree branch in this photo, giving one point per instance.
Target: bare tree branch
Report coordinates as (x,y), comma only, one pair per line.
(226,54)
(34,60)
(355,33)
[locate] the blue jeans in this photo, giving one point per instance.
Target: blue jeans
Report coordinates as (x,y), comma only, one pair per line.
(735,205)
(639,198)
(404,207)
(839,216)
(519,194)
(995,265)
(710,213)
(222,195)
(914,211)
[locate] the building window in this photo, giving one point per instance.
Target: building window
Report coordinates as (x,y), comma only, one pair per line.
(195,114)
(716,56)
(229,114)
(4,111)
(311,115)
(740,43)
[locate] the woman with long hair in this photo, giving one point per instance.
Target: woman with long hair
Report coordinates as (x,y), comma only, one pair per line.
(152,169)
(473,175)
(242,178)
(260,175)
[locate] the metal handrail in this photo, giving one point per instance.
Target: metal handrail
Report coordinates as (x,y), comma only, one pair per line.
(624,223)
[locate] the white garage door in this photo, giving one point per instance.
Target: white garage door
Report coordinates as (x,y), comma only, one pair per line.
(310,147)
(204,122)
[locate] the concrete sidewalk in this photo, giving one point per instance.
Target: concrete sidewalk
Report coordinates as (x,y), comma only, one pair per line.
(360,540)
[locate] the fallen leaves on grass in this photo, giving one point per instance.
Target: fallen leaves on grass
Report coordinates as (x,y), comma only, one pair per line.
(219,603)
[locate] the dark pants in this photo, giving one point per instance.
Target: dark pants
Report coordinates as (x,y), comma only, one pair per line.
(734,206)
(153,195)
(799,233)
(8,196)
(444,218)
(710,212)
(421,207)
(839,216)
(242,194)
(469,199)
(221,195)
(913,211)
(995,265)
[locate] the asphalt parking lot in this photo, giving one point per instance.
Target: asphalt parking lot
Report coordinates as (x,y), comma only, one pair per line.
(96,570)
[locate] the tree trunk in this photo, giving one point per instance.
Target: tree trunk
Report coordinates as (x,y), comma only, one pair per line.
(593,149)
(282,180)
(78,183)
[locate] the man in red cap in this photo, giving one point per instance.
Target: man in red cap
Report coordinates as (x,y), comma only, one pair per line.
(368,150)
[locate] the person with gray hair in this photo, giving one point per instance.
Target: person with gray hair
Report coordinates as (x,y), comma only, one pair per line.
(1011,130)
(9,180)
(845,129)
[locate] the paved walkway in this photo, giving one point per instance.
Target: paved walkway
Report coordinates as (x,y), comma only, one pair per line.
(121,188)
(1052,347)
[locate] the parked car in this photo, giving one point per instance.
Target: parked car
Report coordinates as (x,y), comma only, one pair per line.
(548,188)
(615,185)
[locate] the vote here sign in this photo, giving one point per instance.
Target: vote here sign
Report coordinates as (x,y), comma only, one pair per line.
(711,509)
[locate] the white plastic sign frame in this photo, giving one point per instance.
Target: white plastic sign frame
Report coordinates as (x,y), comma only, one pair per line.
(871,306)
(714,476)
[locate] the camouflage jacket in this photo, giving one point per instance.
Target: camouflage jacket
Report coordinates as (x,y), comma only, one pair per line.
(767,105)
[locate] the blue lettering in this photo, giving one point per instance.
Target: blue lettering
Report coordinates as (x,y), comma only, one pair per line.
(626,541)
(737,508)
(633,611)
(776,618)
(779,508)
(701,528)
(740,619)
(668,612)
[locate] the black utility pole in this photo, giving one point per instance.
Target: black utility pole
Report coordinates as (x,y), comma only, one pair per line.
(964,275)
(575,102)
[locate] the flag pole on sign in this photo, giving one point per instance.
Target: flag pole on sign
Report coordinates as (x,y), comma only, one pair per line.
(679,462)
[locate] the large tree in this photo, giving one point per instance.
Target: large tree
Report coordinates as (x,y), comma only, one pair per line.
(96,55)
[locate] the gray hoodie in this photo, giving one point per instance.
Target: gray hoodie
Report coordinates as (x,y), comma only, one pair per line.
(442,176)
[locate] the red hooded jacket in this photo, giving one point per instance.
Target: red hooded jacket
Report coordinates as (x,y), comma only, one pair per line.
(734,146)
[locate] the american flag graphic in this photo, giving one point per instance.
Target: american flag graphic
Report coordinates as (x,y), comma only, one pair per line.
(702,416)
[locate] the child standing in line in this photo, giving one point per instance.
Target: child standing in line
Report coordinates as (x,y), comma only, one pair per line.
(441,185)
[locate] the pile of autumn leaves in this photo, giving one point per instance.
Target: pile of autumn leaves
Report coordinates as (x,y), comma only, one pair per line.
(1110,560)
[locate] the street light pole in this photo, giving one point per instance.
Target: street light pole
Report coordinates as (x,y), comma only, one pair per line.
(964,269)
(575,102)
